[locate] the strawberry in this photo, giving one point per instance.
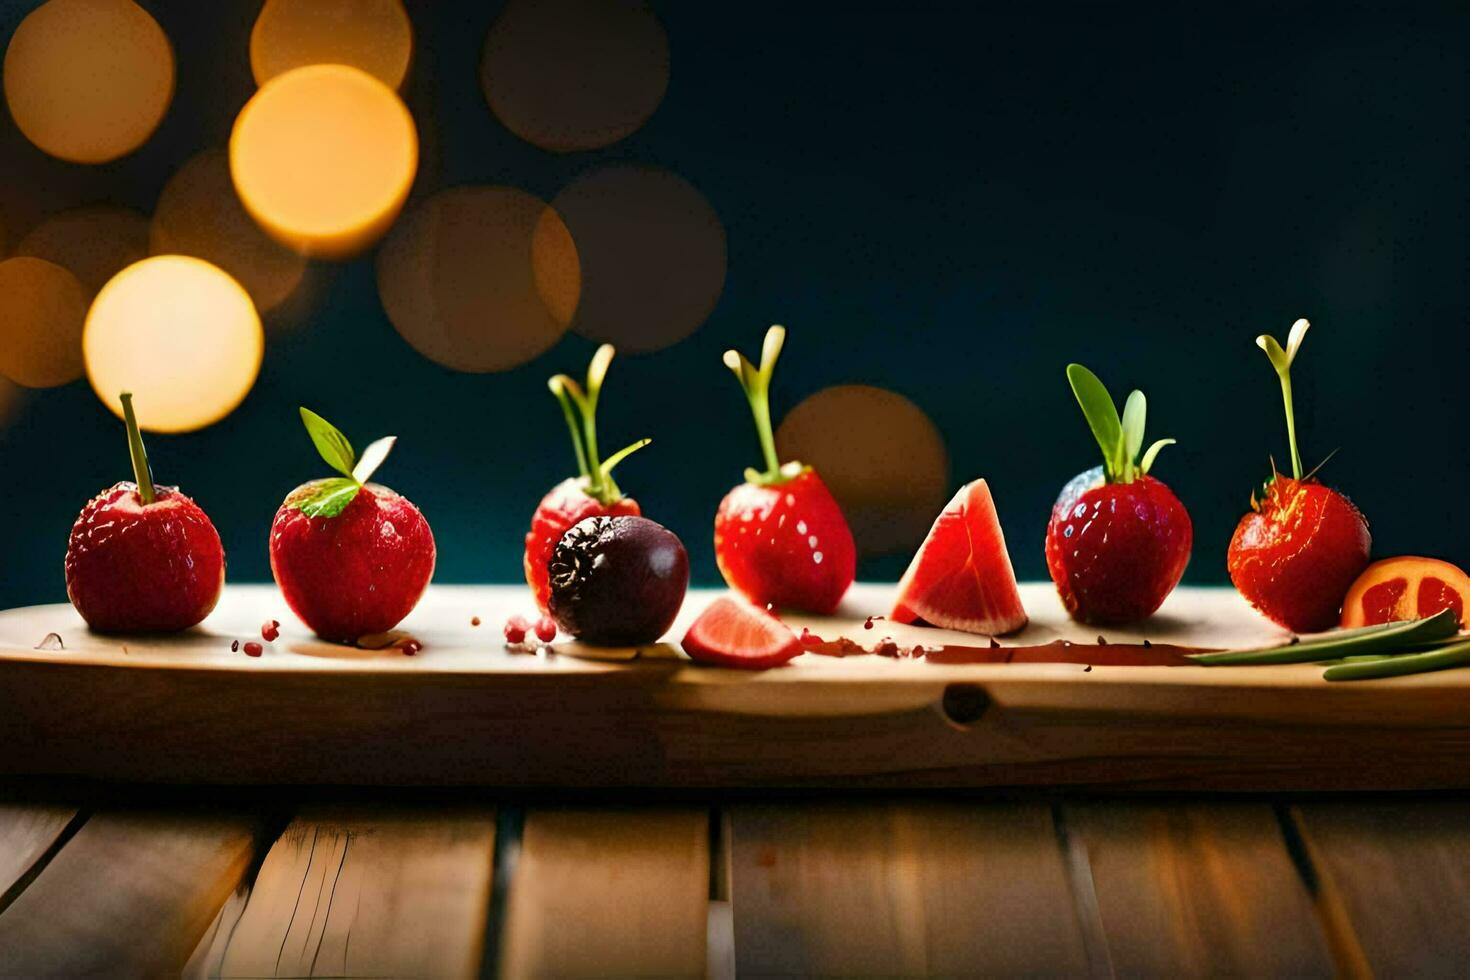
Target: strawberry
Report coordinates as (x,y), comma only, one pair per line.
(1118,539)
(351,557)
(1297,553)
(143,558)
(592,494)
(733,633)
(780,538)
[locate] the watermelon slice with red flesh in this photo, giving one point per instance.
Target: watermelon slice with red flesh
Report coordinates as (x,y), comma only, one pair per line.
(961,578)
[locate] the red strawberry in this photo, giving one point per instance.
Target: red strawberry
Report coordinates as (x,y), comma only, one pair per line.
(351,557)
(1118,539)
(592,494)
(733,633)
(1297,553)
(780,538)
(143,558)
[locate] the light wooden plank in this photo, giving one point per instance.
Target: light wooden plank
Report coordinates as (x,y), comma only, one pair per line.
(364,892)
(1401,870)
(186,709)
(1198,889)
(901,889)
(129,895)
(609,892)
(27,832)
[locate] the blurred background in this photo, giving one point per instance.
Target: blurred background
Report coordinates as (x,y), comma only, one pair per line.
(943,203)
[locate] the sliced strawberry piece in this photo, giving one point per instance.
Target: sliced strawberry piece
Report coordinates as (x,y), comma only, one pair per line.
(1406,588)
(961,578)
(734,633)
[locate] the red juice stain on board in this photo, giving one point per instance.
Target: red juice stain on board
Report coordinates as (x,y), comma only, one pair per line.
(1056,652)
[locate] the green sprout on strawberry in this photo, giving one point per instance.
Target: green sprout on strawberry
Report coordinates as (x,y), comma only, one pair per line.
(756,383)
(579,407)
(1121,439)
(329,497)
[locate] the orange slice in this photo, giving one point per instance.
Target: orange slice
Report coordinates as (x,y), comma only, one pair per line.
(1406,588)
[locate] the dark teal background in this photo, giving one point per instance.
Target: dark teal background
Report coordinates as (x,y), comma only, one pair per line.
(949,201)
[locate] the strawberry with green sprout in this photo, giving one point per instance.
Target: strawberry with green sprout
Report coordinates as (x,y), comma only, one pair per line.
(592,493)
(1119,539)
(1299,550)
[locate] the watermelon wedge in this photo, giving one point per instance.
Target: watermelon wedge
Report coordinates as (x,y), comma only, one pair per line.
(961,577)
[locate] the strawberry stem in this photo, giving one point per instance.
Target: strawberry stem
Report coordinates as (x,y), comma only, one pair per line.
(579,407)
(756,383)
(142,475)
(1282,360)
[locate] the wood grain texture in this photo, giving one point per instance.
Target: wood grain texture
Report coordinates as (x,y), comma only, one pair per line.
(1402,872)
(28,831)
(1198,889)
(901,889)
(363,892)
(130,895)
(186,709)
(608,893)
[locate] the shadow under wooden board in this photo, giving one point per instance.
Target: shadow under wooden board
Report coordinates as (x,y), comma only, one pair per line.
(189,709)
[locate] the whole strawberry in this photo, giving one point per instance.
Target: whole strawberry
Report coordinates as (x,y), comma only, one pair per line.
(351,557)
(780,538)
(1118,540)
(143,558)
(1297,553)
(592,494)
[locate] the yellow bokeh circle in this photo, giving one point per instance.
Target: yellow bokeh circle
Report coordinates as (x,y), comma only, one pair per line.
(42,308)
(88,80)
(879,454)
(199,214)
(181,335)
(373,35)
(94,243)
(323,157)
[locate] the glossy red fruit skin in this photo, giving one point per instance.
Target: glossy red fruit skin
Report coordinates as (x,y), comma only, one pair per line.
(1295,557)
(133,569)
(1116,550)
(565,505)
(357,573)
(761,641)
(786,545)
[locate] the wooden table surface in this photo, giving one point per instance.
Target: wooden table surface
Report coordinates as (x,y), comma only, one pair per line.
(529,869)
(123,884)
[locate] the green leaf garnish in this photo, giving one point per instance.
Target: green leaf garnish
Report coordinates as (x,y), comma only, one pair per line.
(1119,439)
(372,458)
(327,498)
(330,442)
(1377,639)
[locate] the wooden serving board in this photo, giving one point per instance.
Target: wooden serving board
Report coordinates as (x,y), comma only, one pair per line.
(465,711)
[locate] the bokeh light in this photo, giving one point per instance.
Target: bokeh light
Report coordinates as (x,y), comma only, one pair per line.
(42,309)
(480,278)
(881,457)
(11,395)
(322,158)
(88,80)
(199,214)
(372,35)
(181,335)
(652,252)
(95,243)
(570,75)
